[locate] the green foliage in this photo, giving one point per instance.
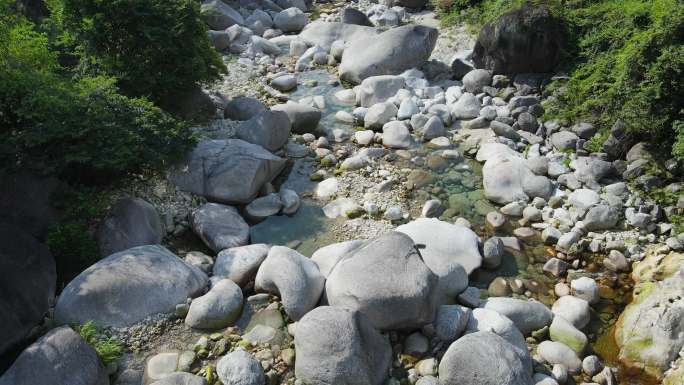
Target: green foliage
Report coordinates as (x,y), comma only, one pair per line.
(108,348)
(155,48)
(72,241)
(628,62)
(73,246)
(76,126)
(595,144)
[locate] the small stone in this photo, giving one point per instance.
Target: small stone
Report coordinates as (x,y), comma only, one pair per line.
(493,251)
(499,288)
(616,261)
(495,220)
(586,289)
(591,365)
(416,344)
(555,267)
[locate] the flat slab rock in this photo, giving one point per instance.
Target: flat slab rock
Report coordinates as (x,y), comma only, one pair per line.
(227,171)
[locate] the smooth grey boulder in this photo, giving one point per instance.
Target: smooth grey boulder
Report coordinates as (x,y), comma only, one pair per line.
(219,15)
(558,353)
(387,281)
(323,34)
(433,128)
(489,320)
(574,310)
(377,89)
(284,83)
(503,129)
(327,257)
(340,346)
(293,277)
(354,16)
(268,129)
(219,39)
(240,264)
(290,20)
(227,171)
(590,171)
(217,309)
(564,140)
(527,316)
(507,179)
(466,107)
(260,15)
(390,53)
(378,115)
(129,286)
(583,198)
(474,80)
(28,285)
(181,378)
(395,134)
(131,222)
(263,207)
(450,322)
(240,368)
(290,200)
(483,358)
(220,226)
(601,217)
(243,108)
(59,357)
(451,251)
(304,119)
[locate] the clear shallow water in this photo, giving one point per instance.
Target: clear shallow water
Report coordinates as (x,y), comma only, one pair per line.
(328,121)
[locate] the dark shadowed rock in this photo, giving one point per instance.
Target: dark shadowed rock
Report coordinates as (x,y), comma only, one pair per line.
(528,39)
(25,201)
(131,222)
(354,16)
(27,285)
(59,357)
(243,108)
(304,119)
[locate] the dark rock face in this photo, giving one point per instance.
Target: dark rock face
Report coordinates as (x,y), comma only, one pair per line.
(415,4)
(131,222)
(27,285)
(25,202)
(59,357)
(354,16)
(528,39)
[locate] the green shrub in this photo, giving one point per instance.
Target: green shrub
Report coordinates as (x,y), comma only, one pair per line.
(78,126)
(626,62)
(630,65)
(595,144)
(74,248)
(108,348)
(155,48)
